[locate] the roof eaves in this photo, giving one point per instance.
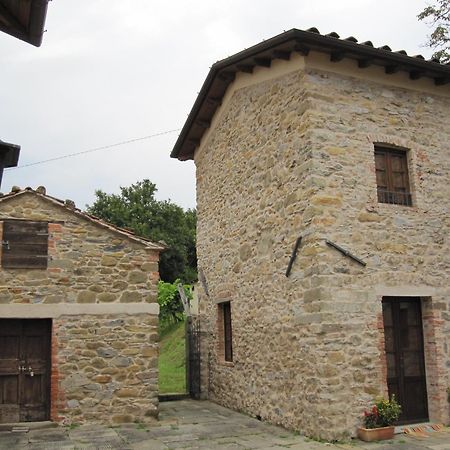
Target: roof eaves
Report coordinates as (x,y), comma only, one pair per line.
(285,43)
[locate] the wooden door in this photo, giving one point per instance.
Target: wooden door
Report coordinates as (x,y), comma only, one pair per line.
(24,370)
(405,358)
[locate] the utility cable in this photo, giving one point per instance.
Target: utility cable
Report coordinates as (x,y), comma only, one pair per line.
(96,149)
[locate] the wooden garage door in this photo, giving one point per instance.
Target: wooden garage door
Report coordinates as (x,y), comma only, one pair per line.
(24,370)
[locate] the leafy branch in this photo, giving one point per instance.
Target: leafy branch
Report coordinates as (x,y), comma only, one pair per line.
(437,16)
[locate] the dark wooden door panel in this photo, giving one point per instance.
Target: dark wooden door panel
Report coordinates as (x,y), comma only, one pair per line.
(9,413)
(10,331)
(9,390)
(34,398)
(406,377)
(24,370)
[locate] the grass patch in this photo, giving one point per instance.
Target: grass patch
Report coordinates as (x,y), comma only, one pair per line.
(172,360)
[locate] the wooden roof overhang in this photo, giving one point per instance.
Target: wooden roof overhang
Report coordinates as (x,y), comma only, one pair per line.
(24,19)
(223,72)
(9,154)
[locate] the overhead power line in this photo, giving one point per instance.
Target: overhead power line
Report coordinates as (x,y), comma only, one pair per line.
(96,149)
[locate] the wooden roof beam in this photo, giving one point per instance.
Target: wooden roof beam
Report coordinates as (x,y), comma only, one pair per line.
(281,54)
(247,68)
(440,81)
(214,101)
(203,123)
(301,48)
(226,76)
(264,62)
(336,56)
(391,69)
(415,74)
(194,142)
(364,63)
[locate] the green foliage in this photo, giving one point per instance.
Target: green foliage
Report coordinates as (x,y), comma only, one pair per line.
(389,411)
(137,209)
(171,308)
(383,414)
(438,16)
(172,360)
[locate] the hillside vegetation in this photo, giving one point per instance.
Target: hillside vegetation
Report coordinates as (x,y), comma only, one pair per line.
(172,360)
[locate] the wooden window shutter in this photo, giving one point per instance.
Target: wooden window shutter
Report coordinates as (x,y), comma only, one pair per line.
(25,245)
(391,167)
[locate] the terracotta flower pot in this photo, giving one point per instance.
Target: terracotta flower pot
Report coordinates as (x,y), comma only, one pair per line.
(376,434)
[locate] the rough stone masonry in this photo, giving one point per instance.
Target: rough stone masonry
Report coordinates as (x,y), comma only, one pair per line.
(291,152)
(100,291)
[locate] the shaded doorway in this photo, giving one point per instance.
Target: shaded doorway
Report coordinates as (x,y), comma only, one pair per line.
(403,335)
(24,370)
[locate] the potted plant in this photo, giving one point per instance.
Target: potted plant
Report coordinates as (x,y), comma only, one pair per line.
(379,420)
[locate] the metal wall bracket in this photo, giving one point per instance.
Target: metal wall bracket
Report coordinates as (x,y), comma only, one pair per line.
(293,256)
(345,252)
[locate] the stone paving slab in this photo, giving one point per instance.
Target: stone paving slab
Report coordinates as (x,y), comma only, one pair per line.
(189,424)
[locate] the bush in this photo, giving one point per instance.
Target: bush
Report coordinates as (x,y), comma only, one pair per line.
(171,309)
(383,414)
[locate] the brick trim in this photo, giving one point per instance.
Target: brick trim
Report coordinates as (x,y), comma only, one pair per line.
(438,408)
(57,400)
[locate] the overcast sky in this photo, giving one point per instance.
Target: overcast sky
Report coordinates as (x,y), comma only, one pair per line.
(113,70)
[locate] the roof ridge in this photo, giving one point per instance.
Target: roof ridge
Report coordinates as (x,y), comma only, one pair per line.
(69,205)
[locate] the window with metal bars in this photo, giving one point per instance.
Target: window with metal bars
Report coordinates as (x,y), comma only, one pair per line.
(391,167)
(24,244)
(226,338)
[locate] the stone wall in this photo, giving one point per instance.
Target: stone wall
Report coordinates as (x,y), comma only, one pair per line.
(294,156)
(87,264)
(108,368)
(405,248)
(100,290)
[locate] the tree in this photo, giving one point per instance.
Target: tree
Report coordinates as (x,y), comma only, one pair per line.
(137,209)
(438,15)
(171,307)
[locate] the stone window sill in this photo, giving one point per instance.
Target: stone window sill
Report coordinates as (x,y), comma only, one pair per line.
(226,363)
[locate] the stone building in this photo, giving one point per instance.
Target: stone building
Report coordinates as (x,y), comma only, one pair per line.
(78,315)
(345,146)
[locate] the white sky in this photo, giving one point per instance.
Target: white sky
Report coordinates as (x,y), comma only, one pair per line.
(114,70)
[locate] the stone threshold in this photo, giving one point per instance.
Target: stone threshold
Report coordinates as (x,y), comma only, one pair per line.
(172,397)
(401,428)
(24,427)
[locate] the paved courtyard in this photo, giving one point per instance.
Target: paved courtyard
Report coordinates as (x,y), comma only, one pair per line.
(193,424)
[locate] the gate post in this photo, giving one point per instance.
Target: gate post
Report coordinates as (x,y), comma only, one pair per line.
(187,334)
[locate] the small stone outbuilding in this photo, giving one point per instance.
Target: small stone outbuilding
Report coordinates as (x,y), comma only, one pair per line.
(323,169)
(78,315)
